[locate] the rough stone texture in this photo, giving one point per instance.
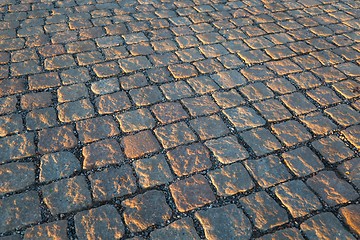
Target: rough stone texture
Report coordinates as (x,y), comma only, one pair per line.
(137,120)
(140,144)
(53,230)
(291,132)
(55,139)
(185,160)
(58,165)
(74,111)
(112,182)
(351,216)
(15,176)
(268,171)
(261,141)
(349,170)
(297,198)
(140,212)
(289,233)
(102,153)
(17,146)
(66,195)
(99,223)
(173,135)
(227,222)
(352,134)
(244,118)
(326,182)
(19,210)
(263,210)
(227,149)
(231,179)
(191,193)
(332,149)
(153,171)
(178,230)
(325,226)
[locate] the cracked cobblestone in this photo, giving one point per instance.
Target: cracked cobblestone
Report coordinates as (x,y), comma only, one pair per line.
(211,119)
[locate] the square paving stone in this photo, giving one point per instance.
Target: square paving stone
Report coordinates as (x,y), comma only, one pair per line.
(297,198)
(347,88)
(209,127)
(208,66)
(329,74)
(191,193)
(272,110)
(325,182)
(96,128)
(318,123)
(140,144)
(324,96)
(133,81)
(58,165)
(17,146)
(10,124)
(75,75)
(72,92)
(261,141)
(24,68)
(352,134)
(351,217)
(134,63)
(19,210)
(101,154)
(176,90)
(140,212)
(15,176)
(104,86)
(185,160)
(99,223)
(153,171)
(53,230)
(107,69)
(291,132)
(227,222)
(332,149)
(200,105)
(297,103)
(344,115)
(256,91)
(58,62)
(288,233)
(67,195)
(263,210)
(41,118)
(113,102)
(229,79)
(8,104)
(268,171)
(136,120)
(281,86)
(244,118)
(184,70)
(202,84)
(257,73)
(231,179)
(350,170)
(74,111)
(178,230)
(175,134)
(302,161)
(57,138)
(169,112)
(325,226)
(228,99)
(11,86)
(112,182)
(227,149)
(146,95)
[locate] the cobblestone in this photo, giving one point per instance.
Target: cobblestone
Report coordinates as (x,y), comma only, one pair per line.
(179,119)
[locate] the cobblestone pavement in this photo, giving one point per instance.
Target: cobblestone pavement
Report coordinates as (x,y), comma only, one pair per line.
(193,119)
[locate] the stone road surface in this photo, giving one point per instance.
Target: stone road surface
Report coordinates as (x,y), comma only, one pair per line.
(193,119)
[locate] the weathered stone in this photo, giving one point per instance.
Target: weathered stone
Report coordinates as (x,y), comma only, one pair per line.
(325,226)
(19,210)
(105,86)
(350,170)
(191,193)
(102,153)
(297,198)
(10,124)
(76,75)
(229,79)
(185,160)
(351,216)
(17,146)
(288,233)
(113,102)
(344,115)
(15,176)
(58,165)
(227,222)
(153,171)
(72,92)
(263,210)
(36,100)
(231,179)
(244,118)
(227,149)
(178,230)
(173,135)
(136,120)
(332,149)
(209,127)
(41,118)
(261,141)
(318,123)
(55,139)
(268,171)
(67,195)
(291,132)
(146,95)
(140,144)
(140,212)
(352,134)
(169,112)
(327,182)
(74,111)
(53,230)
(99,223)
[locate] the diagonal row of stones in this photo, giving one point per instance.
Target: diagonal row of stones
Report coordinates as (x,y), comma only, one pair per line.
(185,119)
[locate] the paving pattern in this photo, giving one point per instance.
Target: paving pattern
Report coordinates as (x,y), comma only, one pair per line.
(193,119)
